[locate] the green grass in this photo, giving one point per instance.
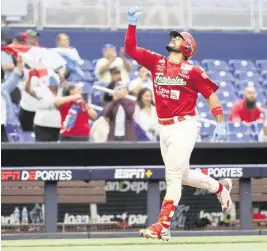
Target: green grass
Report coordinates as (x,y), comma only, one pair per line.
(231,243)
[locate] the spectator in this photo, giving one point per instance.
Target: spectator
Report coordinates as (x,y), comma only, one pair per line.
(63,42)
(7,60)
(246,110)
(115,80)
(7,113)
(145,114)
(119,113)
(20,39)
(109,61)
(75,115)
(263,132)
(32,37)
(28,106)
(142,81)
(47,117)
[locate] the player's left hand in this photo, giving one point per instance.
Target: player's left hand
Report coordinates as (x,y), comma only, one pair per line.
(220,132)
(133,15)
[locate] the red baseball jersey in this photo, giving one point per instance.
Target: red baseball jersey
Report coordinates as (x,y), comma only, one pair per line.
(81,127)
(176,86)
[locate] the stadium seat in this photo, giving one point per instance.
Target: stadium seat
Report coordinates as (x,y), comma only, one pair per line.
(227,96)
(206,130)
(94,61)
(205,115)
(256,127)
(221,75)
(225,86)
(261,64)
(202,104)
(28,137)
(242,65)
(261,97)
(88,77)
(14,131)
(264,84)
(248,75)
(264,74)
(240,137)
(133,75)
(242,84)
(87,65)
(227,105)
(235,127)
(215,65)
(195,62)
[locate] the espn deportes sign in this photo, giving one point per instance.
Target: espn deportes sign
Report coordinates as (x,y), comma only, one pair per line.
(232,172)
(132,173)
(36,175)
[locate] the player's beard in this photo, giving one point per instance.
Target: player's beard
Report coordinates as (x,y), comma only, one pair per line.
(172,49)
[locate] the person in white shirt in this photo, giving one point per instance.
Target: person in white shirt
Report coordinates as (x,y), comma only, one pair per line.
(111,60)
(142,81)
(28,106)
(47,118)
(63,42)
(145,114)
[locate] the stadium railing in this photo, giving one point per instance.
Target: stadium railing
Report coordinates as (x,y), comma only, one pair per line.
(179,14)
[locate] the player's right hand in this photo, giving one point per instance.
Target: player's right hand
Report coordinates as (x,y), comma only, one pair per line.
(133,15)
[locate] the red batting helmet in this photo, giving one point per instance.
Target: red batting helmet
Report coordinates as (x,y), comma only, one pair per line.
(189,46)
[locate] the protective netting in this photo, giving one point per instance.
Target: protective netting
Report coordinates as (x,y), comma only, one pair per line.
(119,206)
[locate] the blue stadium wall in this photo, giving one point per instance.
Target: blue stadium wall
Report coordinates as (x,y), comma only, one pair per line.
(215,45)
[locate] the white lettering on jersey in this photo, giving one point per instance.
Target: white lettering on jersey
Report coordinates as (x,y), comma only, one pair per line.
(161,80)
(186,67)
(183,75)
(160,91)
(175,94)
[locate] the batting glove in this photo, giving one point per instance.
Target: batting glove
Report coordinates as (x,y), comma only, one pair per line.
(133,15)
(220,132)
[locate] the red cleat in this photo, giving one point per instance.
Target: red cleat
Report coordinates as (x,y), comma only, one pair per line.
(156,231)
(161,229)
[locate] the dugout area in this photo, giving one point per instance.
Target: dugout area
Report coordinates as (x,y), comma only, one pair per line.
(211,243)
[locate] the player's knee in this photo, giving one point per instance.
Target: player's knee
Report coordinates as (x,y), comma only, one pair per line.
(177,164)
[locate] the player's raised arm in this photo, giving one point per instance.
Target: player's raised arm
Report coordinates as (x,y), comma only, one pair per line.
(142,56)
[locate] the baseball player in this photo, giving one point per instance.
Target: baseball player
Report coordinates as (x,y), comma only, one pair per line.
(176,84)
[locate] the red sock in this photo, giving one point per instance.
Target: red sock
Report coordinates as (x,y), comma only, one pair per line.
(220,188)
(167,210)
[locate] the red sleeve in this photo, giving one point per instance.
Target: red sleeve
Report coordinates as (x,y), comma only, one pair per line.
(258,114)
(202,82)
(143,57)
(235,112)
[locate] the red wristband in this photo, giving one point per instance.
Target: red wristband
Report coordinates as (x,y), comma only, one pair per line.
(217,111)
(32,73)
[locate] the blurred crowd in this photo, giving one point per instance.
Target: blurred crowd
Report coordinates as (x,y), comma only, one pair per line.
(107,99)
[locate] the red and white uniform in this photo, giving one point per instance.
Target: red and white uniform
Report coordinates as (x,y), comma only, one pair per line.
(176,88)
